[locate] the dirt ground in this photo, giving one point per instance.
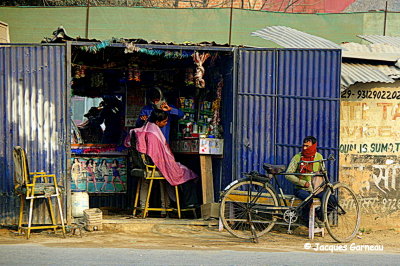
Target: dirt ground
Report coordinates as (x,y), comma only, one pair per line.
(185,237)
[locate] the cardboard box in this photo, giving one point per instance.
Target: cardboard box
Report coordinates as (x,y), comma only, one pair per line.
(201,146)
(211,146)
(210,210)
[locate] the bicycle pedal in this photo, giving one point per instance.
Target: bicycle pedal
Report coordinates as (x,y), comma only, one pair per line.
(290,232)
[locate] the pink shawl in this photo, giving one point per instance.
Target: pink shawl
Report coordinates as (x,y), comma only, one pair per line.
(151,141)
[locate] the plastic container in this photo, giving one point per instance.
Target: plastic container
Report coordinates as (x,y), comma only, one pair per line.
(80,202)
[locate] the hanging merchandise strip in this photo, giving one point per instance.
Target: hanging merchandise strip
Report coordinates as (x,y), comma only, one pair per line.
(199,59)
(216,105)
(98,150)
(130,48)
(85,67)
(96,47)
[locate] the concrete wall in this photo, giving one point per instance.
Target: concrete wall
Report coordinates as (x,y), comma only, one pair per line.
(31,24)
(370,146)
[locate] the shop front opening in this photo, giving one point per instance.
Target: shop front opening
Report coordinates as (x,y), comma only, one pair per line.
(110,88)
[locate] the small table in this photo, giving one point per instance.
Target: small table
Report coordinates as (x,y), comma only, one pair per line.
(199,147)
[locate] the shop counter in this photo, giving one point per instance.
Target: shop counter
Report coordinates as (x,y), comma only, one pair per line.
(206,148)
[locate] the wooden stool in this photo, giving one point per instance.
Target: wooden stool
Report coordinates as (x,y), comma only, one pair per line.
(152,174)
(146,208)
(311,222)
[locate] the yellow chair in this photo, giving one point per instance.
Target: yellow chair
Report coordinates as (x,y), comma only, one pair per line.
(35,185)
(152,174)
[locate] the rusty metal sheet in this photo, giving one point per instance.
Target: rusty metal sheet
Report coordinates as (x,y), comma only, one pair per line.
(33,115)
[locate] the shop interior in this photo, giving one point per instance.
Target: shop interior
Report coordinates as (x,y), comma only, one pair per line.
(110,86)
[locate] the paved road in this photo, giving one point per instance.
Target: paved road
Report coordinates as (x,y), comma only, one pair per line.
(40,255)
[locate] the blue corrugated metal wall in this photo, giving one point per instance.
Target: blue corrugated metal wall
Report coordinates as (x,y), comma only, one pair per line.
(33,115)
(283,96)
(255,112)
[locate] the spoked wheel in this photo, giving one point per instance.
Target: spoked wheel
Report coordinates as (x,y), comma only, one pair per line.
(244,209)
(341,213)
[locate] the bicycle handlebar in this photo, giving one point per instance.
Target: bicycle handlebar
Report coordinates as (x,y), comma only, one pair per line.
(255,173)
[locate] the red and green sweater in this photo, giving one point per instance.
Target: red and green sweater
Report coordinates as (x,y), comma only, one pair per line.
(300,181)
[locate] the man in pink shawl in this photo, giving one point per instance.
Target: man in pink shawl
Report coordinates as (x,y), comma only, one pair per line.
(151,141)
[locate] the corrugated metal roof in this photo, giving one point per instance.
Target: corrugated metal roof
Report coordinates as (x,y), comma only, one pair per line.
(391,71)
(291,38)
(391,40)
(353,73)
(370,48)
(375,51)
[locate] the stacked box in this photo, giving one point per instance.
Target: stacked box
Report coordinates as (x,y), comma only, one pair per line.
(93,219)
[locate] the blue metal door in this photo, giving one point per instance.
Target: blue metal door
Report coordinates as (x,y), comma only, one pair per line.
(284,95)
(33,111)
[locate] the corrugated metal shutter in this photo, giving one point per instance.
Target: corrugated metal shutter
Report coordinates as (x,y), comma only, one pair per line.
(255,109)
(33,115)
(283,96)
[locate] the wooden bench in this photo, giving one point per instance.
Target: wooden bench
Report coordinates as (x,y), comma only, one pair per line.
(313,228)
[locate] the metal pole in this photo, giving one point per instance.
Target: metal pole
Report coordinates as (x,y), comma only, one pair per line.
(230,24)
(384,21)
(87,20)
(67,125)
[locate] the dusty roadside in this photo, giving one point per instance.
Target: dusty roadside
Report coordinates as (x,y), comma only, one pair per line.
(190,237)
